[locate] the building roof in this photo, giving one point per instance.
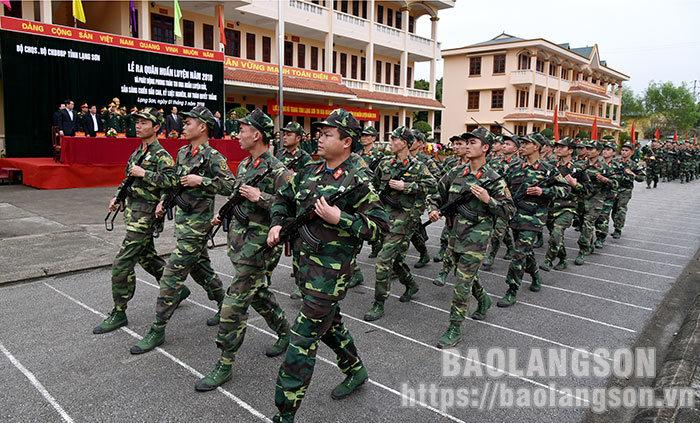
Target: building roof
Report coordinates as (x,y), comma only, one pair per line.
(583,51)
(397,99)
(499,39)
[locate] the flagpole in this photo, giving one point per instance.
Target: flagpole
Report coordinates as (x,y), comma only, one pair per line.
(280,62)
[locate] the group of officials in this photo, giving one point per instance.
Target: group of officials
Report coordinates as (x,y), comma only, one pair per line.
(493,189)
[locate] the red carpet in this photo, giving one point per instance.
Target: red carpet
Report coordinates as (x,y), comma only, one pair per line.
(45,173)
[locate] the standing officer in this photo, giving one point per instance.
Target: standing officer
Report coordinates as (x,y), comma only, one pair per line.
(247,233)
(192,224)
(155,174)
(325,260)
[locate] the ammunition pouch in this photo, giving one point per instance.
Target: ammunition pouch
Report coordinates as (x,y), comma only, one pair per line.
(309,238)
(240,215)
(467,213)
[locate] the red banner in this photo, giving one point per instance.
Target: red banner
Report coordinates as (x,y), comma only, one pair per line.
(238,63)
(320,110)
(56,31)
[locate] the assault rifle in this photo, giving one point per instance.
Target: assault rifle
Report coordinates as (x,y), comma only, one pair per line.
(174,198)
(123,192)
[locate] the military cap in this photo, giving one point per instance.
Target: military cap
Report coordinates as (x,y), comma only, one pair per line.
(629,145)
(404,133)
(512,138)
(152,114)
(498,139)
(586,143)
(344,121)
(479,133)
(293,127)
(565,142)
(262,122)
(537,138)
(370,130)
(201,113)
(418,135)
(454,138)
(605,144)
(84,105)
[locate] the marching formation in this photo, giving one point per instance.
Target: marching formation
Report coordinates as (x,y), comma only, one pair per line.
(494,189)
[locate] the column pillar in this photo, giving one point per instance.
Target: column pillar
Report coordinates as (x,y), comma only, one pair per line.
(144,20)
(45,11)
(369,64)
(28,10)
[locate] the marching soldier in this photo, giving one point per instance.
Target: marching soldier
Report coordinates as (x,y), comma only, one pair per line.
(652,159)
(192,224)
(155,173)
(372,156)
(602,223)
(631,172)
(325,262)
(471,226)
(403,183)
(417,150)
(533,184)
(247,233)
(447,165)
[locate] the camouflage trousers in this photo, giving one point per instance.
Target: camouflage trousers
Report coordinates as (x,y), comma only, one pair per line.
(448,263)
(619,209)
(652,176)
(523,258)
(590,212)
(501,232)
(392,257)
(189,258)
(418,239)
(136,248)
(602,224)
(318,320)
(249,288)
(467,266)
(557,224)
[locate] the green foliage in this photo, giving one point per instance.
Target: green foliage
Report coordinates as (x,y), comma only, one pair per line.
(547,133)
(624,136)
(632,105)
(671,107)
(583,134)
(423,127)
(241,112)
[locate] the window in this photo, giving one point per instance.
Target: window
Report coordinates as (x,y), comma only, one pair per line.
(188,33)
(395,122)
(614,116)
(380,14)
(499,64)
(387,128)
(536,128)
(471,128)
(398,19)
(387,73)
(344,64)
(390,17)
(363,68)
(600,110)
(16,11)
(539,65)
(250,46)
(473,100)
(378,72)
(550,102)
(323,60)
(564,73)
(288,53)
(520,129)
(364,9)
(301,55)
(267,49)
(552,69)
(523,62)
(397,75)
(497,99)
(353,66)
(474,66)
(411,24)
(582,109)
(521,99)
(335,61)
(562,105)
(233,42)
(538,100)
(314,58)
(495,129)
(162,28)
(356,8)
(344,6)
(208,36)
(409,74)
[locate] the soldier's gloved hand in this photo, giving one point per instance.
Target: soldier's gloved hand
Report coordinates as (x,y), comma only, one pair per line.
(397,185)
(216,220)
(273,237)
(481,193)
(250,193)
(571,180)
(159,210)
(191,180)
(112,205)
(434,216)
(330,214)
(137,171)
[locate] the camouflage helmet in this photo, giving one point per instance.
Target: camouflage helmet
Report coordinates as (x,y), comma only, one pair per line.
(345,122)
(152,114)
(294,127)
(565,142)
(604,144)
(260,121)
(629,145)
(370,130)
(497,139)
(512,138)
(586,143)
(538,139)
(402,132)
(418,135)
(479,133)
(201,113)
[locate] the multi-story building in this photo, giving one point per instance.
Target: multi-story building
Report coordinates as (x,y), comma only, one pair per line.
(520,82)
(356,54)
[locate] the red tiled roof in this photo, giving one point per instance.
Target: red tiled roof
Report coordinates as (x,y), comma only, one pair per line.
(520,116)
(253,77)
(396,98)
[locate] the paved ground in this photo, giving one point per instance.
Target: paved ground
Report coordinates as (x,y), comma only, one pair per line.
(54,369)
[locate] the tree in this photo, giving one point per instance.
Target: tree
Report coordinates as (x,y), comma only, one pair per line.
(423,127)
(547,133)
(583,135)
(672,107)
(632,105)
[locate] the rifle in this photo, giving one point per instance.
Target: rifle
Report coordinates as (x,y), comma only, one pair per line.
(292,164)
(458,205)
(121,197)
(232,207)
(173,198)
(298,224)
(385,194)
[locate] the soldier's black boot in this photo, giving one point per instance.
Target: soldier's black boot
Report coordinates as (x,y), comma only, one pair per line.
(376,312)
(441,278)
(539,240)
(410,291)
(214,320)
(536,284)
(562,265)
(115,320)
(617,234)
(508,299)
(350,384)
(441,253)
(488,262)
(483,306)
(451,337)
(221,374)
(580,259)
(546,264)
(280,346)
(509,254)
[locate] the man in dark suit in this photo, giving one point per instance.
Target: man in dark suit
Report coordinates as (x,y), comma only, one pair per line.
(56,119)
(173,122)
(92,122)
(69,120)
(218,132)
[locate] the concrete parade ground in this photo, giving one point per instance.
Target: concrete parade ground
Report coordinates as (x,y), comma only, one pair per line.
(54,262)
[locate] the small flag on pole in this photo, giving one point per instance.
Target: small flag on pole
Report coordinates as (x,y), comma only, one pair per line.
(6,3)
(633,134)
(178,20)
(556,125)
(675,135)
(78,12)
(222,26)
(657,134)
(594,130)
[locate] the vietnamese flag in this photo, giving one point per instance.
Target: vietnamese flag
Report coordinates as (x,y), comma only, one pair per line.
(657,134)
(222,26)
(633,134)
(6,3)
(675,135)
(556,125)
(594,130)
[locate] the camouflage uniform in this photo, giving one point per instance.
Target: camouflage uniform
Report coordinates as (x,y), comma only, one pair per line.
(652,159)
(447,266)
(420,236)
(529,218)
(602,223)
(500,229)
(113,121)
(624,192)
(470,232)
(326,271)
(405,209)
(373,158)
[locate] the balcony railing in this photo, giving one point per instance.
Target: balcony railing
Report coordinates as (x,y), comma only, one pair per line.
(587,86)
(388,30)
(391,89)
(582,116)
(422,40)
(412,92)
(307,7)
(356,83)
(344,17)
